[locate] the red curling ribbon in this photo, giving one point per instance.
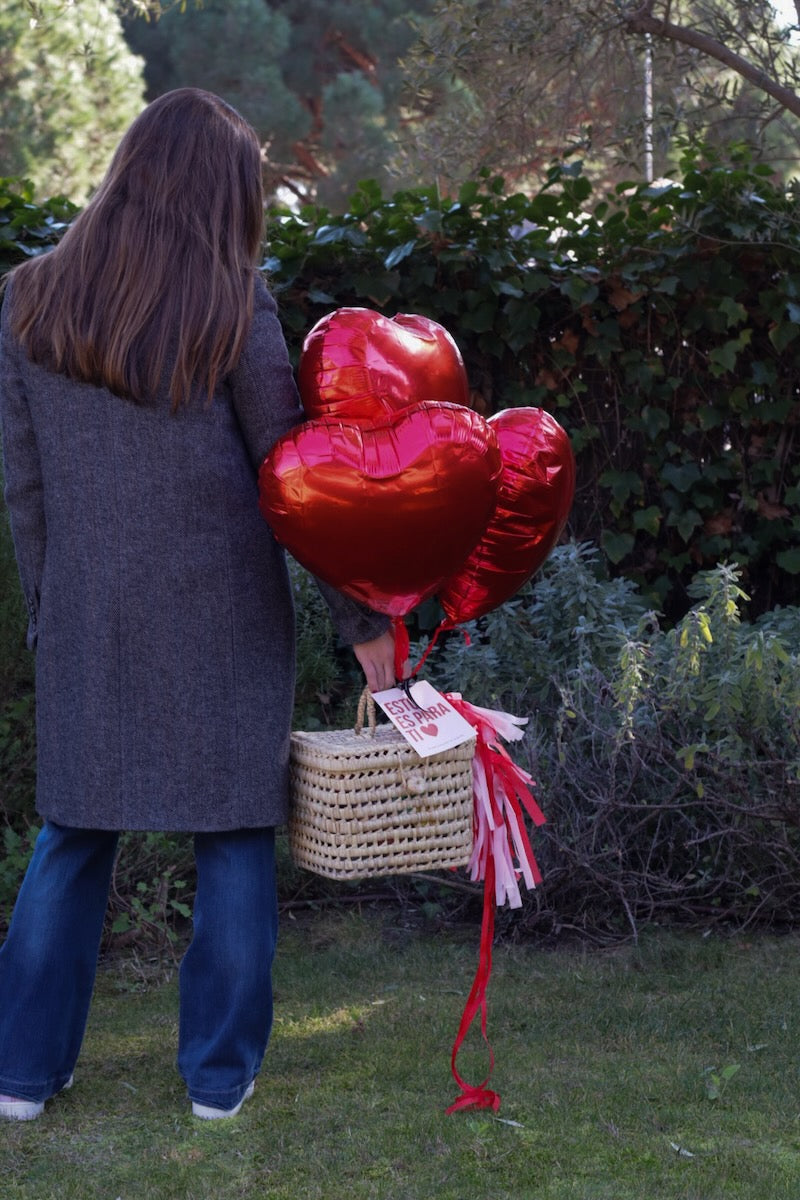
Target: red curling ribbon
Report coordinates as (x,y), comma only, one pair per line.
(445,624)
(479,1096)
(402,647)
(440,628)
(501,853)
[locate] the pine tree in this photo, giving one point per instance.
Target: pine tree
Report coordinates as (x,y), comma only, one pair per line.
(319,79)
(69,87)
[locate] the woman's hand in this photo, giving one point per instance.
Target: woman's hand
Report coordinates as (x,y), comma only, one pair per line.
(377,661)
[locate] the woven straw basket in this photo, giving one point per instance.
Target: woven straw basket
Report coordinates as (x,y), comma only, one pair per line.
(365,804)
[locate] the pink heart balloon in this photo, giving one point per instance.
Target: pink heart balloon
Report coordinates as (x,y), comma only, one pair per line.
(537,487)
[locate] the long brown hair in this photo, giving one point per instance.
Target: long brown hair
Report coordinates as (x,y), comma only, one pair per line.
(156,273)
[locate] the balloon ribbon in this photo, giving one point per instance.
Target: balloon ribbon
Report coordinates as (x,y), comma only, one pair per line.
(402,647)
(501,852)
(440,628)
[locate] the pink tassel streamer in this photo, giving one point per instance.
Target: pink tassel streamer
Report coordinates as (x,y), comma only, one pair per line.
(501,855)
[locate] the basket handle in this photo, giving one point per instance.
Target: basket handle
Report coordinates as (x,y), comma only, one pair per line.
(366,705)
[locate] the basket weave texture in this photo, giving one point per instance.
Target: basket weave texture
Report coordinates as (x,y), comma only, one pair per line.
(365,804)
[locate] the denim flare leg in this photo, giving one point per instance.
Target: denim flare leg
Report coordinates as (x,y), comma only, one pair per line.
(226,973)
(49,960)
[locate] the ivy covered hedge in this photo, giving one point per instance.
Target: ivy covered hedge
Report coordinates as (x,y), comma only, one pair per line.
(28,226)
(660,326)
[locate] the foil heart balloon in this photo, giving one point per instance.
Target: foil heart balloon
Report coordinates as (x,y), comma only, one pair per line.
(537,487)
(356,363)
(384,513)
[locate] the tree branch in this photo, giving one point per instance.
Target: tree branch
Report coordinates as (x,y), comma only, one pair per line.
(641,20)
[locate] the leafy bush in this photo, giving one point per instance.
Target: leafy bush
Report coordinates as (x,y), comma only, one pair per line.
(328,678)
(29,227)
(151,890)
(17,757)
(666,760)
(17,848)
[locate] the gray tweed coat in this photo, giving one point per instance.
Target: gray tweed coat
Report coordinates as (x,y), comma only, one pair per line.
(159,602)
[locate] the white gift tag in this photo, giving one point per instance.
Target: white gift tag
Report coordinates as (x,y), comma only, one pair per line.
(428,721)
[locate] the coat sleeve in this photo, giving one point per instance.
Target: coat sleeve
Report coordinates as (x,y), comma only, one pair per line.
(23,490)
(262,383)
(267,405)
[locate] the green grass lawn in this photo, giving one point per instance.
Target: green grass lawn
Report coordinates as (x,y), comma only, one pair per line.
(657,1072)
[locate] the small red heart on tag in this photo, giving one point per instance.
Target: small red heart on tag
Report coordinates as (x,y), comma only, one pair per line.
(429,730)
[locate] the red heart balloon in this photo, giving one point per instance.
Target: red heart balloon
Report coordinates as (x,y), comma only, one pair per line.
(358,364)
(537,487)
(383,513)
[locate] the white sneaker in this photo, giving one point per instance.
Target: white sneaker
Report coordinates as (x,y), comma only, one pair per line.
(14,1109)
(209,1113)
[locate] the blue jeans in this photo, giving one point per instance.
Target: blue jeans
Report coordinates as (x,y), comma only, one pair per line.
(49,960)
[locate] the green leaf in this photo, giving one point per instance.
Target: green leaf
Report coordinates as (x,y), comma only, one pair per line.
(723,358)
(507,288)
(617,545)
(668,285)
(710,418)
(789,561)
(399,253)
(580,188)
(536,281)
(468,193)
(733,310)
(655,420)
(579,291)
(430,220)
(687,523)
(326,234)
(682,477)
(368,196)
(782,334)
(648,519)
(378,286)
(623,484)
(482,318)
(582,435)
